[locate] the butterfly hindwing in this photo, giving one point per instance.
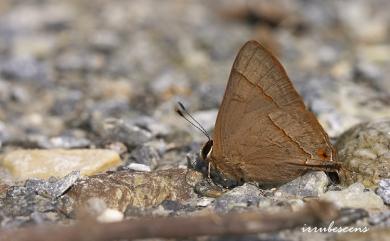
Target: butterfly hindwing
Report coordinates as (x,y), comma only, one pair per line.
(263,131)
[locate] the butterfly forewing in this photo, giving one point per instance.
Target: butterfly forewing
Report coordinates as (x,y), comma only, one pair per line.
(263,131)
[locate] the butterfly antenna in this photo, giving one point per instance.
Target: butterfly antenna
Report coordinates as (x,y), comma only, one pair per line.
(182,111)
(192,118)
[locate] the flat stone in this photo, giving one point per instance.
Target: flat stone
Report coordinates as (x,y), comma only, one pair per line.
(355,196)
(25,164)
(364,151)
(124,189)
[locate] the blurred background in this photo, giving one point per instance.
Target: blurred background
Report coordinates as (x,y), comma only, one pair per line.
(66,66)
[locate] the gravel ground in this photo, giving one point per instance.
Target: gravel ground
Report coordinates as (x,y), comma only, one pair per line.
(108,75)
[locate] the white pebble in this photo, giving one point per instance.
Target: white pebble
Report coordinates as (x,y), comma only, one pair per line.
(139,167)
(110,215)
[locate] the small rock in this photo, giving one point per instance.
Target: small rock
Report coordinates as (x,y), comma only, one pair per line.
(139,167)
(204,201)
(364,150)
(148,154)
(311,184)
(65,142)
(169,84)
(24,164)
(105,41)
(384,190)
(80,60)
(53,188)
(380,218)
(171,205)
(110,215)
(108,109)
(118,130)
(350,215)
(355,196)
(67,103)
(155,127)
(25,69)
(240,197)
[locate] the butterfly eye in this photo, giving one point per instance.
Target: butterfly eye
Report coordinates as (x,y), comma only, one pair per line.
(206,149)
(322,153)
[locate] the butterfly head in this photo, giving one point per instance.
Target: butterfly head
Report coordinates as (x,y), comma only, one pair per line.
(206,150)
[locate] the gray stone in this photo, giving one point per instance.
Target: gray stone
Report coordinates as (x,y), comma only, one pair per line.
(24,69)
(65,142)
(384,190)
(104,109)
(240,197)
(350,215)
(311,184)
(382,218)
(149,154)
(112,129)
(78,60)
(53,188)
(105,41)
(156,128)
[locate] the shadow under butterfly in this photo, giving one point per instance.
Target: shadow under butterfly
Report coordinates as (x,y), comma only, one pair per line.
(263,132)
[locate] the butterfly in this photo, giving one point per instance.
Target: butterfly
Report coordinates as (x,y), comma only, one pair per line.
(263,131)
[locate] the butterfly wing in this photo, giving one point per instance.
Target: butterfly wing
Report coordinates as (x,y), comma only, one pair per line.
(263,131)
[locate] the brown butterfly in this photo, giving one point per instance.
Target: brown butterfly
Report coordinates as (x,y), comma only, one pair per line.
(263,131)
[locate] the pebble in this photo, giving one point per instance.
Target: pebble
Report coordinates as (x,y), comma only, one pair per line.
(382,218)
(24,164)
(139,167)
(149,154)
(350,215)
(24,69)
(384,190)
(112,129)
(240,197)
(53,188)
(355,196)
(312,184)
(63,142)
(204,201)
(364,151)
(110,215)
(155,127)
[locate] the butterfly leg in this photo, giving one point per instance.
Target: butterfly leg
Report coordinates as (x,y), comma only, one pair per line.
(207,188)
